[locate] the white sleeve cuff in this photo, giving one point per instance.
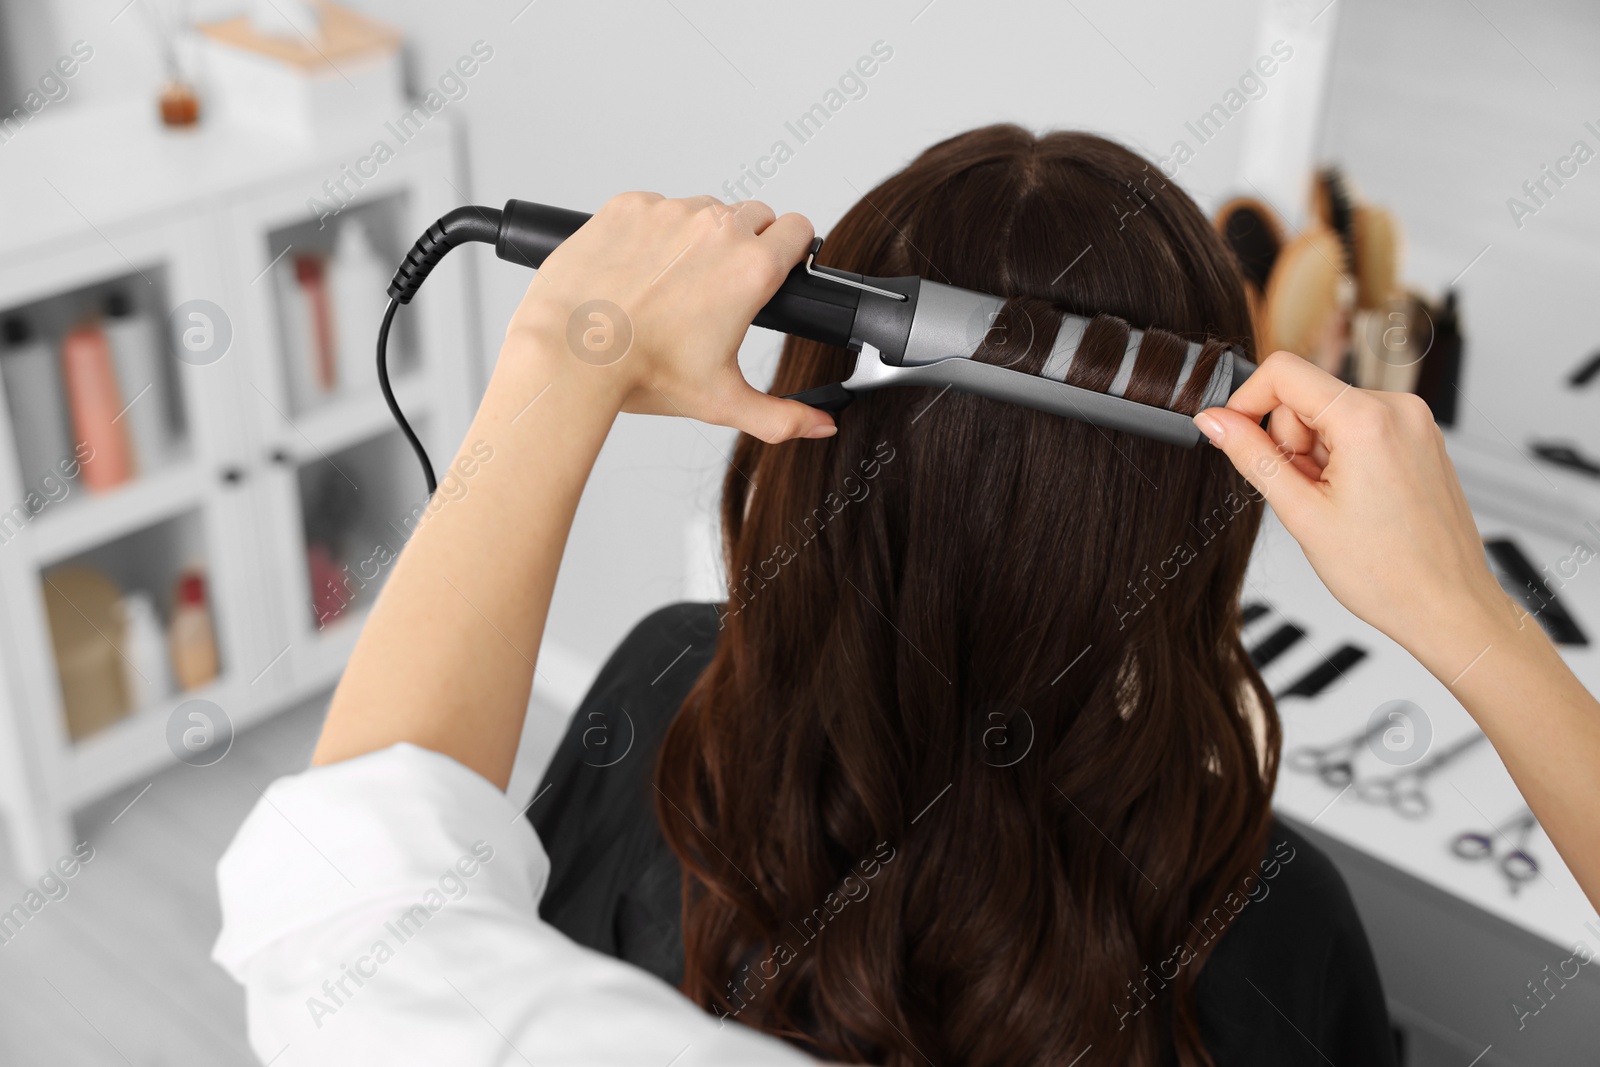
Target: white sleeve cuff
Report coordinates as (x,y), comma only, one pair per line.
(384,910)
(393,825)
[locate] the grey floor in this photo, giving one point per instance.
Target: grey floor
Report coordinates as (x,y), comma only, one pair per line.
(118,972)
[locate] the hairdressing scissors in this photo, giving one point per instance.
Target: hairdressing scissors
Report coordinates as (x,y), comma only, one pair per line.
(1403,791)
(1516,865)
(1335,763)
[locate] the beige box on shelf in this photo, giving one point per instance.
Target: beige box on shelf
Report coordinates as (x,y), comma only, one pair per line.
(300,87)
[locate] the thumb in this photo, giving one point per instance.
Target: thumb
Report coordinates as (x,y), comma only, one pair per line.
(1292,494)
(772,418)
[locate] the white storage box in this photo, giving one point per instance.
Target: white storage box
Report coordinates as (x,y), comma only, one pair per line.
(338,81)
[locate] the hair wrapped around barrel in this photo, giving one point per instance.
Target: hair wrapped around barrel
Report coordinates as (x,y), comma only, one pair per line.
(1105,354)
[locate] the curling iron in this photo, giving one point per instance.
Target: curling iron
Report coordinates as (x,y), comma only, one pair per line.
(904,331)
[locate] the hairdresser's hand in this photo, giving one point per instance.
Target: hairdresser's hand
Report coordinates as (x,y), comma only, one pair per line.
(653,296)
(1363,482)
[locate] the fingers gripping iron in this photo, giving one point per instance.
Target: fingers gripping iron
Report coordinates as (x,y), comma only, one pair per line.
(905,331)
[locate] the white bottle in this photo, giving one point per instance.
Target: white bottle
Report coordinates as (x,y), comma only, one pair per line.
(295,334)
(38,407)
(146,666)
(358,282)
(136,354)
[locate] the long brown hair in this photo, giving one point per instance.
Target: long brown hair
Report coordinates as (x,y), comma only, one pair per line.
(979,748)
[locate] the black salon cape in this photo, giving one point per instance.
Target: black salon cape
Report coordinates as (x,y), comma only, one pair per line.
(614,884)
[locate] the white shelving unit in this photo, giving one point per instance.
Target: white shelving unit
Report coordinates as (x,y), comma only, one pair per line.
(101,198)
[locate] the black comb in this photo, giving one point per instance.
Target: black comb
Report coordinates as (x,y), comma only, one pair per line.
(1519,578)
(1585,372)
(1276,644)
(1324,674)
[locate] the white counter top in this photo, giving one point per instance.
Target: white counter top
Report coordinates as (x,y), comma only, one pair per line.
(1474,793)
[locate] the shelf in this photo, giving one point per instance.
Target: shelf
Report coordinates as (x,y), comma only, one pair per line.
(83,520)
(111,611)
(348,421)
(137,745)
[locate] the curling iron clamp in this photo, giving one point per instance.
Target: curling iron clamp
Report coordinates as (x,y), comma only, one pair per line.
(905,331)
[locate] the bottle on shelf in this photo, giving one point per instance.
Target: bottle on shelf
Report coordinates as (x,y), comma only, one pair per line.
(358,282)
(305,313)
(136,353)
(331,512)
(329,584)
(37,403)
(97,406)
(146,666)
(191,638)
(311,272)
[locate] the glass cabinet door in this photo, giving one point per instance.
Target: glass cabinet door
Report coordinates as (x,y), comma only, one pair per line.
(342,490)
(130,582)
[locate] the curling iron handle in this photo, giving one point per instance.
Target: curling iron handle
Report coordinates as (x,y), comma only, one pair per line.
(530,232)
(804,306)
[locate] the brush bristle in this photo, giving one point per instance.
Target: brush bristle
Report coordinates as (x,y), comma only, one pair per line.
(1254,242)
(1340,215)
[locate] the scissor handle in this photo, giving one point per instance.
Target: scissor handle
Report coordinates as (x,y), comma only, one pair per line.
(1400,792)
(1411,803)
(1472,846)
(1337,773)
(1519,867)
(1308,759)
(1378,790)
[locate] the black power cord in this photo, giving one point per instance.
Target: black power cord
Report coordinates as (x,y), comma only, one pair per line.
(394,405)
(458,227)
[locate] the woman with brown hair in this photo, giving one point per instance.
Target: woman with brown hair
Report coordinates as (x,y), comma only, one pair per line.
(970,767)
(1010,658)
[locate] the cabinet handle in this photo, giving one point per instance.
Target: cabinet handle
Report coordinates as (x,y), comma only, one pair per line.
(232,475)
(280,456)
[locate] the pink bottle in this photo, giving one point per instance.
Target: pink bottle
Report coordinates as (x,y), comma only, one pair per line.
(96,403)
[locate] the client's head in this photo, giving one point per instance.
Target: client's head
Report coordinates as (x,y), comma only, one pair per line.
(980,748)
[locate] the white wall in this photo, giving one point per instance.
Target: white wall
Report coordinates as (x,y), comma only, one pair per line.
(585,100)
(582,102)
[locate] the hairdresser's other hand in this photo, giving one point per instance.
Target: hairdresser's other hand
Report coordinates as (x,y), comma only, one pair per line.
(1363,482)
(651,298)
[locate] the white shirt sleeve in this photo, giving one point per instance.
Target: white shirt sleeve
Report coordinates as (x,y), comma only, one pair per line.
(384,910)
